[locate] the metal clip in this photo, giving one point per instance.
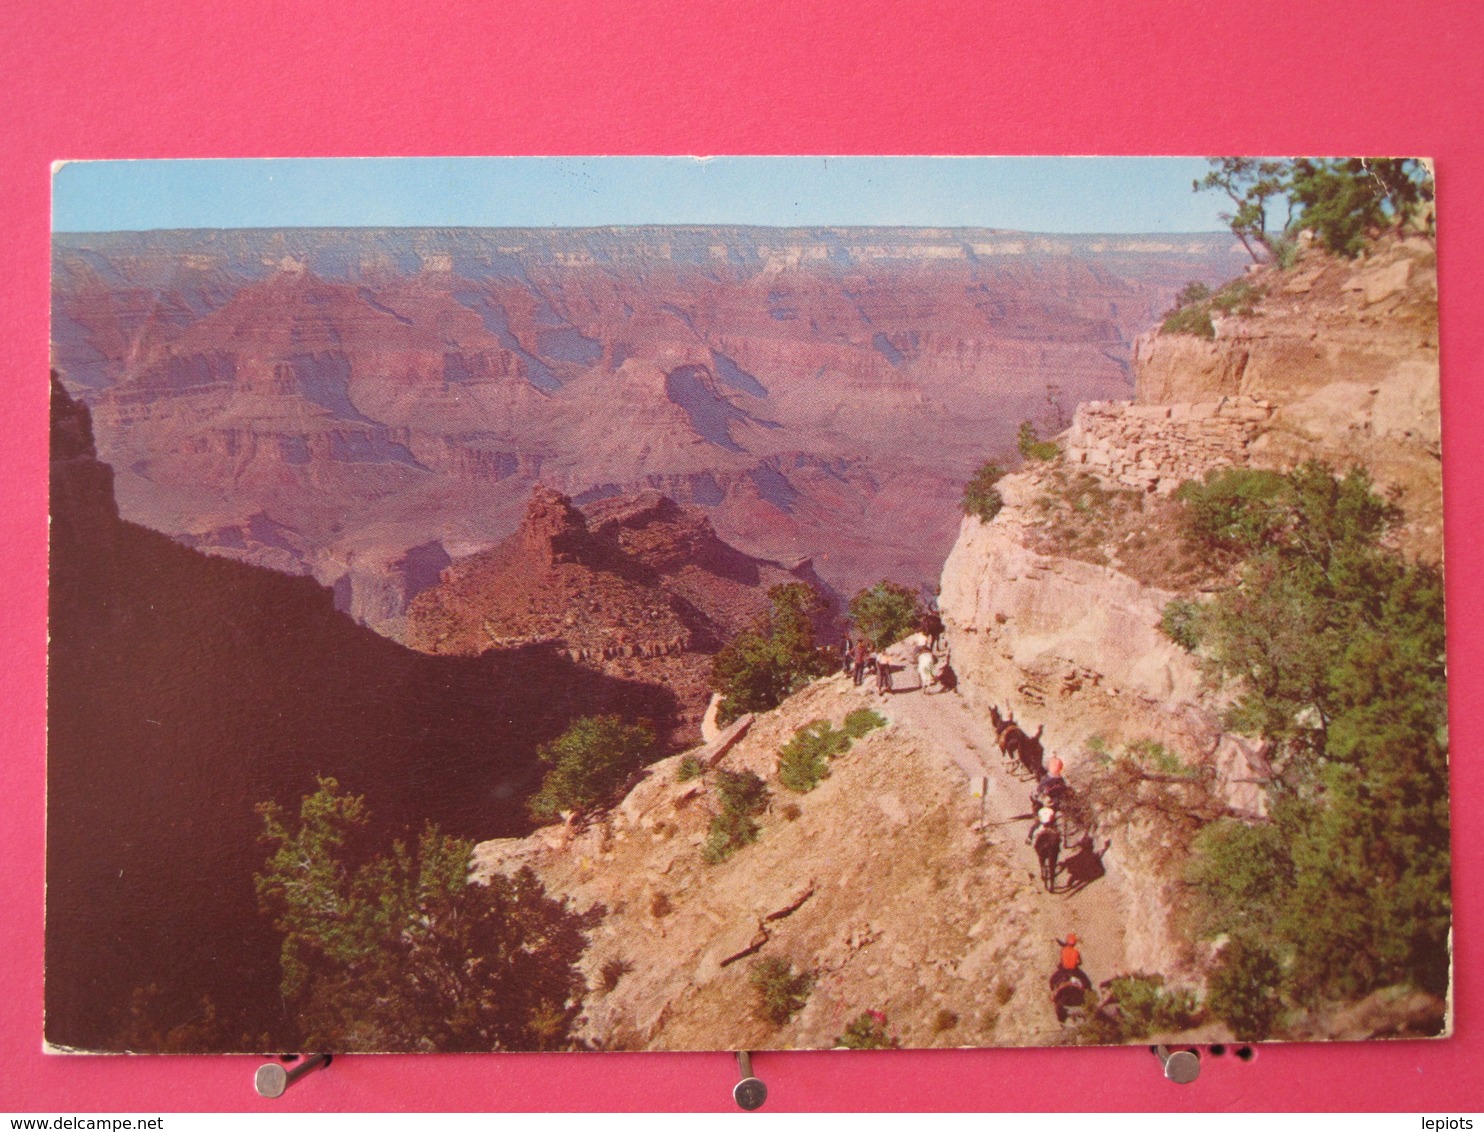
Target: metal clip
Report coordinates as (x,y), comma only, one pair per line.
(272,1080)
(1182,1067)
(749,1093)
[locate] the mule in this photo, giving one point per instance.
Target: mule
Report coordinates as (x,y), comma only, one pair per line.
(1048,849)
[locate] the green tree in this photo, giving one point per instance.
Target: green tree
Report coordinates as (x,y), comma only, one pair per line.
(886,612)
(1346,201)
(1332,644)
(401,952)
(765,664)
(590,761)
(981,498)
(1243,990)
(1251,184)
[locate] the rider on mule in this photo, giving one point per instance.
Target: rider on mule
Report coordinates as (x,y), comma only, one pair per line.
(1052,789)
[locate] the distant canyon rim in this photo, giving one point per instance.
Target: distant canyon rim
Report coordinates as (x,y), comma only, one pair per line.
(368,405)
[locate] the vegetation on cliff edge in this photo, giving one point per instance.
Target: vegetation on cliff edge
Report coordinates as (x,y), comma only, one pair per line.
(400,952)
(1333,645)
(771,660)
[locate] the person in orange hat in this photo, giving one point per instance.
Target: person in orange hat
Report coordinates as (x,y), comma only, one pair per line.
(1068,972)
(1071,958)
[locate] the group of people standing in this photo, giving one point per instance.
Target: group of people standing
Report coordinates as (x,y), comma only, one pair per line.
(859,659)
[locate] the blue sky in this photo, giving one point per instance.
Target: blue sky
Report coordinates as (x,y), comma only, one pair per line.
(1039,194)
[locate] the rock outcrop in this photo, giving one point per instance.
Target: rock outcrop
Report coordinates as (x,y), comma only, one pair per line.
(636,586)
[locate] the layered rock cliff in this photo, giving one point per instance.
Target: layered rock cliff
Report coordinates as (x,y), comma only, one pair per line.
(1054,606)
(182,689)
(326,401)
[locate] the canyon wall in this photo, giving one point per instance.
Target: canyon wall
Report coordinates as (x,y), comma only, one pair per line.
(1332,359)
(327,402)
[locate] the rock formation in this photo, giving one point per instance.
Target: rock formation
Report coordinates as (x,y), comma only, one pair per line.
(636,586)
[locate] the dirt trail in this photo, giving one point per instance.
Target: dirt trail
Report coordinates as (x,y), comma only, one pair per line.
(944,727)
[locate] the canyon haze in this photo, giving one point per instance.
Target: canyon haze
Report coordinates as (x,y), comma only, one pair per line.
(368,405)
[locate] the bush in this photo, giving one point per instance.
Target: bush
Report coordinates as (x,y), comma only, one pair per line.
(867,1031)
(1192,292)
(780,992)
(1233,510)
(400,952)
(1189,320)
(1135,1006)
(767,663)
(805,761)
(980,497)
(1181,622)
(592,759)
(690,767)
(1243,990)
(862,721)
(1239,296)
(743,796)
(885,613)
(1032,447)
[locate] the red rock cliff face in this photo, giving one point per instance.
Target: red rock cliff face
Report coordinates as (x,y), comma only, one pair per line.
(821,393)
(636,587)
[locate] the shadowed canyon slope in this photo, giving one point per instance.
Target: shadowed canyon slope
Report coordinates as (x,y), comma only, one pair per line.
(365,405)
(186,688)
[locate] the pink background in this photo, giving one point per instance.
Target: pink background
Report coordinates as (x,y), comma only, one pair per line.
(182,78)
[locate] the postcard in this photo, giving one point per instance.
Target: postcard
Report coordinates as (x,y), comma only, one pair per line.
(744,603)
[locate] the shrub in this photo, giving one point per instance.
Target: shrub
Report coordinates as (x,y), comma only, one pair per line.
(765,664)
(1189,320)
(1136,1006)
(804,761)
(690,767)
(944,1021)
(1181,622)
(862,721)
(1238,296)
(867,1031)
(1243,989)
(660,905)
(886,612)
(400,952)
(591,760)
(1233,510)
(1192,292)
(981,499)
(781,993)
(742,795)
(1032,447)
